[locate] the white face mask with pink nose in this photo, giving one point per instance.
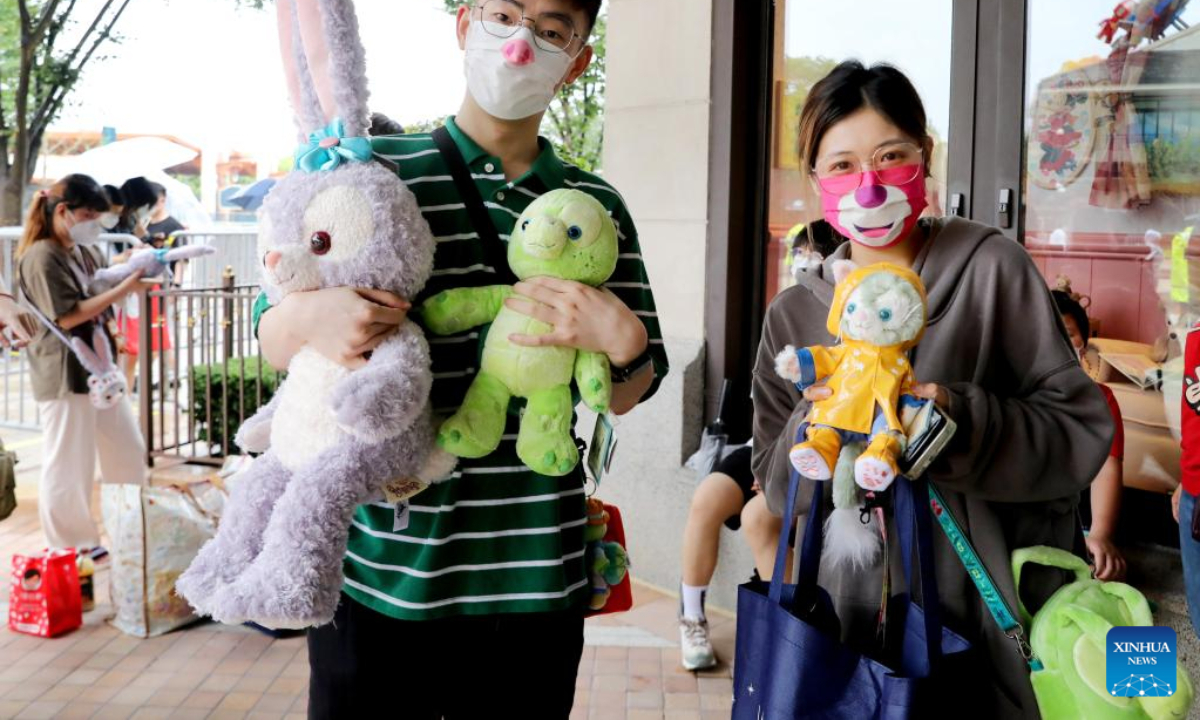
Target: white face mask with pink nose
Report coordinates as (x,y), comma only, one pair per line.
(512,78)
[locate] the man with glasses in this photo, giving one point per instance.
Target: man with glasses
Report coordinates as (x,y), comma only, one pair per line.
(468,600)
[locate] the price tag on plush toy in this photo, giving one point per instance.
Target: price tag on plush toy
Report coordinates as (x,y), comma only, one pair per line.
(400,522)
(398,491)
(603,447)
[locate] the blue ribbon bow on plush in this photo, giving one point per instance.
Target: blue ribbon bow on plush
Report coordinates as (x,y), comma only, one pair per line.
(329,146)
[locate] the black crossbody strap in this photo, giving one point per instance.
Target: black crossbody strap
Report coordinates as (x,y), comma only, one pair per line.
(473,201)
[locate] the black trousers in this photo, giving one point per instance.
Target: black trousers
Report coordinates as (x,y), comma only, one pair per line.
(467,667)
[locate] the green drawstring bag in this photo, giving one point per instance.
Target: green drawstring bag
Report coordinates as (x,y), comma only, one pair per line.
(1068,634)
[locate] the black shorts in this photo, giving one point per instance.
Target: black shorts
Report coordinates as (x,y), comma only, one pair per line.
(736,465)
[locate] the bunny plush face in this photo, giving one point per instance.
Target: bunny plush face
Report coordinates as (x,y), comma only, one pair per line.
(565,234)
(354,226)
(106,384)
(883,309)
(105,391)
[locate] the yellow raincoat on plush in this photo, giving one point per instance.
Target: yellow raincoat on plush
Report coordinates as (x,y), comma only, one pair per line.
(862,375)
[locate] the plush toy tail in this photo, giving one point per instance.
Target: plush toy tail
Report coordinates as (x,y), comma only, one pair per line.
(848,541)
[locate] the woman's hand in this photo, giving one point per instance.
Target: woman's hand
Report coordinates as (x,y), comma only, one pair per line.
(583,317)
(934,392)
(131,283)
(1175,496)
(344,323)
(1107,561)
(20,322)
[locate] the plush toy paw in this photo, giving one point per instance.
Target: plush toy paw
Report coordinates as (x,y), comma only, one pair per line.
(442,314)
(363,410)
(549,454)
(254,437)
(809,463)
(460,434)
(787,365)
(281,597)
(874,474)
(596,394)
(208,575)
(439,466)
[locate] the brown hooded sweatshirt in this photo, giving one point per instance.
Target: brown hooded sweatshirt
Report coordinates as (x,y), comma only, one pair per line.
(1033,431)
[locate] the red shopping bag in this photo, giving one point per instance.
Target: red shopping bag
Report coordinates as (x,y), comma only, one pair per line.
(45,599)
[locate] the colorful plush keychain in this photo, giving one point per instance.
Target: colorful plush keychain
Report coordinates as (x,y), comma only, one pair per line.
(878,314)
(564,234)
(607,561)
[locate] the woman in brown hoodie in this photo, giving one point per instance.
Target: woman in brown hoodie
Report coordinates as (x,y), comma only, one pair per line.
(1033,430)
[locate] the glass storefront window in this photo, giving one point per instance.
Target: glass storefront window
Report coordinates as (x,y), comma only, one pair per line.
(811,37)
(1112,187)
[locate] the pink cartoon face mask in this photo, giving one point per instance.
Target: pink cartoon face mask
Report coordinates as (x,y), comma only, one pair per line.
(876,209)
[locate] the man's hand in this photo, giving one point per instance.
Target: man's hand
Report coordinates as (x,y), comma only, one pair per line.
(16,320)
(344,323)
(583,317)
(1175,496)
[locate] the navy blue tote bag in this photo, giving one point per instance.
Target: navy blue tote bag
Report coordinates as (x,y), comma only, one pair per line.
(791,662)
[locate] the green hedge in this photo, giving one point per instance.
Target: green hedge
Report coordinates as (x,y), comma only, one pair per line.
(234,380)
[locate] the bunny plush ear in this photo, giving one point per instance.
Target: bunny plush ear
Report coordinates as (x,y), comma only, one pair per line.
(102,350)
(327,68)
(842,269)
(87,358)
(305,104)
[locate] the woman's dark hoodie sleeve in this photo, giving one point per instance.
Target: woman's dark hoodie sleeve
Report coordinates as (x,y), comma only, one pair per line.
(1046,436)
(779,409)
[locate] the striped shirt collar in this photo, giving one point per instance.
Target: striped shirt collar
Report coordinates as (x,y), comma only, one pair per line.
(547,168)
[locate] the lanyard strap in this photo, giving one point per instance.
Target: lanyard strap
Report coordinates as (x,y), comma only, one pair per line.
(982,579)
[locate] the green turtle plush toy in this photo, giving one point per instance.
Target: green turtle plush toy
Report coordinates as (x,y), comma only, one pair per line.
(565,234)
(1068,634)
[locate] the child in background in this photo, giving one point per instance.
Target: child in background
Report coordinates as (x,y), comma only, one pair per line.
(1101,504)
(730,496)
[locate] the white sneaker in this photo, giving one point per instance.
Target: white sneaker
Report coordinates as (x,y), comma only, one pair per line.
(697,650)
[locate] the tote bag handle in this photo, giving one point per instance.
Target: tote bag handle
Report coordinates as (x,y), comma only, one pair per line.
(912,520)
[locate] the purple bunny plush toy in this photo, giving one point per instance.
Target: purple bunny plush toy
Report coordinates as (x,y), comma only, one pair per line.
(333,438)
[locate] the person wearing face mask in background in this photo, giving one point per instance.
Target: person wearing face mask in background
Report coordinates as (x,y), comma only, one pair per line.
(491,562)
(1100,506)
(111,218)
(56,258)
(1033,429)
(140,198)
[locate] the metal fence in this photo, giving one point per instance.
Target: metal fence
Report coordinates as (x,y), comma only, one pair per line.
(234,262)
(209,371)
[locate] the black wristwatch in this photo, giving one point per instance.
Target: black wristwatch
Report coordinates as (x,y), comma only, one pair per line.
(639,363)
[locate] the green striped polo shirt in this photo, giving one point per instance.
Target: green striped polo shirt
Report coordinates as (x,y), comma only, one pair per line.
(496,537)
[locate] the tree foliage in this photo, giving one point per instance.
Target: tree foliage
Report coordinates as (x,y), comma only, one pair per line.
(44,47)
(575,120)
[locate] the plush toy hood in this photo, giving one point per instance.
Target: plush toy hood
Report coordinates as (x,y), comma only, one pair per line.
(843,290)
